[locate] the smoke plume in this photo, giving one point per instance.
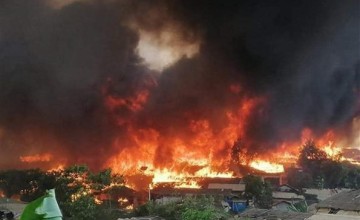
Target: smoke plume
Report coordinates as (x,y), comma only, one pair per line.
(77,81)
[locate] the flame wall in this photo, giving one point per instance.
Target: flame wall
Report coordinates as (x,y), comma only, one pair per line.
(165,83)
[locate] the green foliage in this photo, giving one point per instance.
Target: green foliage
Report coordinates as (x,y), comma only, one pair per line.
(299,179)
(29,184)
(264,199)
(142,210)
(300,206)
(352,179)
(100,179)
(258,190)
(253,186)
(319,182)
(11,182)
(191,208)
(328,169)
(168,211)
(311,157)
(321,171)
(200,208)
(78,169)
(84,207)
(193,214)
(76,186)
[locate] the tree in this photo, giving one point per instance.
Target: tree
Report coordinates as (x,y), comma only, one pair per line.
(101,179)
(253,186)
(11,182)
(264,200)
(311,159)
(74,189)
(36,183)
(77,188)
(352,179)
(311,156)
(83,207)
(258,190)
(334,173)
(299,179)
(325,171)
(26,183)
(319,182)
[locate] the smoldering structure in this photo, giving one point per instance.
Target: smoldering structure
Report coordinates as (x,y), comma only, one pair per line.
(161,83)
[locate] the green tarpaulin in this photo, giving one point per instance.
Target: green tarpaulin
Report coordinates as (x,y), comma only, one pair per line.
(45,207)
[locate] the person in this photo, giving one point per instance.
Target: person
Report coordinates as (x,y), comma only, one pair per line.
(45,207)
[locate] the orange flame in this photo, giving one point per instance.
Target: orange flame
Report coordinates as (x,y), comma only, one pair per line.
(204,153)
(199,150)
(267,167)
(36,158)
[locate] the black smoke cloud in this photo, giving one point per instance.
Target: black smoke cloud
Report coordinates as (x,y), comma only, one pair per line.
(302,55)
(53,64)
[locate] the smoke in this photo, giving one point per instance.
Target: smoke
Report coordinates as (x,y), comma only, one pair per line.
(301,56)
(53,64)
(63,65)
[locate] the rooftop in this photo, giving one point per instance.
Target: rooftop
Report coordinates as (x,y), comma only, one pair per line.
(348,201)
(185,191)
(333,217)
(255,213)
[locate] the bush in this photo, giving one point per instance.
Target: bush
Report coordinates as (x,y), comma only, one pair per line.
(191,208)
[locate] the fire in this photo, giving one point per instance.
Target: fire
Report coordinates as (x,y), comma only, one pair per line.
(161,94)
(36,158)
(183,156)
(59,167)
(134,103)
(204,153)
(267,167)
(166,176)
(201,153)
(122,200)
(207,172)
(185,180)
(98,201)
(130,207)
(76,196)
(332,151)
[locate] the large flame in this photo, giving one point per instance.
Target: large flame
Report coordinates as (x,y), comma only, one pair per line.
(184,159)
(165,92)
(201,152)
